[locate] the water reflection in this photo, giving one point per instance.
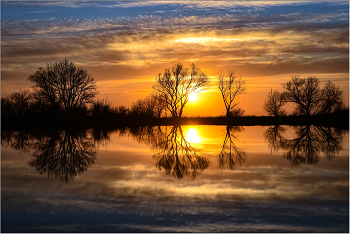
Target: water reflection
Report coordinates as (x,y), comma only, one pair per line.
(192,136)
(17,140)
(59,154)
(309,142)
(65,154)
(230,154)
(177,155)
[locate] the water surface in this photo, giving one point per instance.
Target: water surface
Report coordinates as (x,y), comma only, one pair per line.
(176,179)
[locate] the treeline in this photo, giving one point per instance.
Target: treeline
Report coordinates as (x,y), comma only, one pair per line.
(63,92)
(23,104)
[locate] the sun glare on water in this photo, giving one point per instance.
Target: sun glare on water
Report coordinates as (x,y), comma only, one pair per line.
(192,136)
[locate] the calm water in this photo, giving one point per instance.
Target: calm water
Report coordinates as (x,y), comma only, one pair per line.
(176,179)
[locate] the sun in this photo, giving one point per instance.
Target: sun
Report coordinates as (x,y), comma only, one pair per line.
(192,97)
(192,136)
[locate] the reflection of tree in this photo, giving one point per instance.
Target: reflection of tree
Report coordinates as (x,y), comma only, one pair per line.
(18,140)
(309,143)
(230,153)
(153,136)
(59,154)
(177,156)
(100,136)
(64,155)
(274,137)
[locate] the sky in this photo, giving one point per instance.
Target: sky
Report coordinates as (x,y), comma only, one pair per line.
(125,44)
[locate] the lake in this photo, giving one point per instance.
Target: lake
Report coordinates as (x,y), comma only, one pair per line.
(176,179)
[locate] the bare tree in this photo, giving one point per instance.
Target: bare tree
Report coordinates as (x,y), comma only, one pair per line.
(331,99)
(158,105)
(176,84)
(310,99)
(150,106)
(63,85)
(22,101)
(274,103)
(17,103)
(305,93)
(230,87)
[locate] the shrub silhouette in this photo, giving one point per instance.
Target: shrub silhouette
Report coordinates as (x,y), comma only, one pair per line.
(102,109)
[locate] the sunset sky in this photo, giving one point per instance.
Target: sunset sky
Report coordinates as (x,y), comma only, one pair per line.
(124,45)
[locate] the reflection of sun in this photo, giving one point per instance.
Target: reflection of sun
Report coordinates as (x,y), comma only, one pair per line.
(192,136)
(192,97)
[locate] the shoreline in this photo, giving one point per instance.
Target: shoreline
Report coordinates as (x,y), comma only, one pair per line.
(337,120)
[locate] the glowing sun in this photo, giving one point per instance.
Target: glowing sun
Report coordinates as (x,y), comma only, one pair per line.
(192,97)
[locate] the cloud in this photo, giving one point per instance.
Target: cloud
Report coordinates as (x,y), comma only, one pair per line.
(253,38)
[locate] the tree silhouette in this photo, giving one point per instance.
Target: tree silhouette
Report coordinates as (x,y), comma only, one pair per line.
(310,142)
(331,99)
(230,87)
(310,99)
(17,103)
(63,86)
(230,154)
(158,105)
(176,84)
(151,106)
(304,93)
(274,103)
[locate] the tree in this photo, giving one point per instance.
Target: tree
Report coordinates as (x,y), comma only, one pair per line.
(17,103)
(310,99)
(305,93)
(331,99)
(63,86)
(158,105)
(22,101)
(230,87)
(176,84)
(7,106)
(150,106)
(274,103)
(142,107)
